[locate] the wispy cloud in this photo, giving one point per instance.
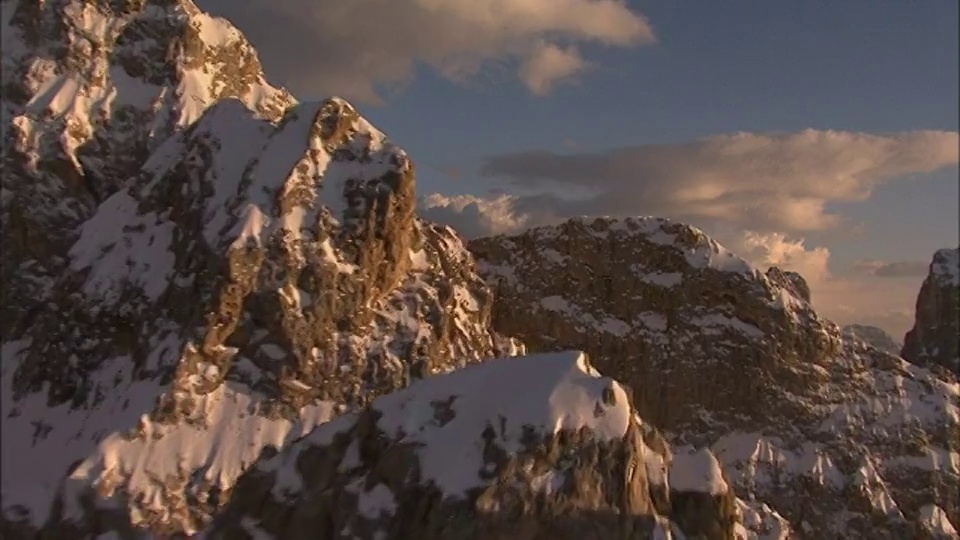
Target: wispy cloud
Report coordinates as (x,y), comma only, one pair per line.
(766,182)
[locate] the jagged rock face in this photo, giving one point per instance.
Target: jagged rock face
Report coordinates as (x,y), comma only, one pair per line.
(934,339)
(89,90)
(664,293)
(836,436)
(791,281)
(873,336)
(533,447)
(219,305)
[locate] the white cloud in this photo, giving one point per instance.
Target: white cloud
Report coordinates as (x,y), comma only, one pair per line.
(775,249)
(775,185)
(548,65)
(887,304)
(350,48)
(845,298)
(473,216)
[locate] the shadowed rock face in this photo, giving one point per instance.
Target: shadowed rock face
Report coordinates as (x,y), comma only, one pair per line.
(722,355)
(790,281)
(442,460)
(934,339)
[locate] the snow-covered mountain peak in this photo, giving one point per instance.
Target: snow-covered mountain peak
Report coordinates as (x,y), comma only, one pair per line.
(91,89)
(321,175)
(258,271)
(698,249)
(87,62)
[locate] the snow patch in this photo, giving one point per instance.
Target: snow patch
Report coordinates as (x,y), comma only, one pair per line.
(696,470)
(548,392)
(230,436)
(120,246)
(934,520)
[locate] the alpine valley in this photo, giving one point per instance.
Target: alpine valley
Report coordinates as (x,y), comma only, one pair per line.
(223,318)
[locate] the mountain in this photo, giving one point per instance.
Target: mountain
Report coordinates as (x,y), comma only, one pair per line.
(227,269)
(222,317)
(218,270)
(934,339)
(90,89)
(841,439)
(873,336)
(214,296)
(531,447)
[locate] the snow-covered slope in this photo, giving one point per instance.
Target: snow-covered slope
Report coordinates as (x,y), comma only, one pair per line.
(89,90)
(532,447)
(934,340)
(838,437)
(255,278)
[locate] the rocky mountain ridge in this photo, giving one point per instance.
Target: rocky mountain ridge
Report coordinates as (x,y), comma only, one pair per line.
(296,286)
(840,438)
(255,267)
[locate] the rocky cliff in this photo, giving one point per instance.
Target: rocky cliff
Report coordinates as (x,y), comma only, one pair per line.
(838,437)
(934,339)
(873,336)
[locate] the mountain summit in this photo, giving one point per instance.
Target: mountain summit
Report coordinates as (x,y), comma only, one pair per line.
(225,268)
(90,89)
(934,339)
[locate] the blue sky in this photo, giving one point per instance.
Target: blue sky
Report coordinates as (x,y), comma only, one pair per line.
(722,67)
(717,68)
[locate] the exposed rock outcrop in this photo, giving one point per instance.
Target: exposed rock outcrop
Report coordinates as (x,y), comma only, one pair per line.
(873,336)
(838,437)
(934,339)
(525,448)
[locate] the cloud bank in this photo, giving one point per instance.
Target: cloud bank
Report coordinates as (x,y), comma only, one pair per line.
(767,182)
(353,48)
(757,193)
